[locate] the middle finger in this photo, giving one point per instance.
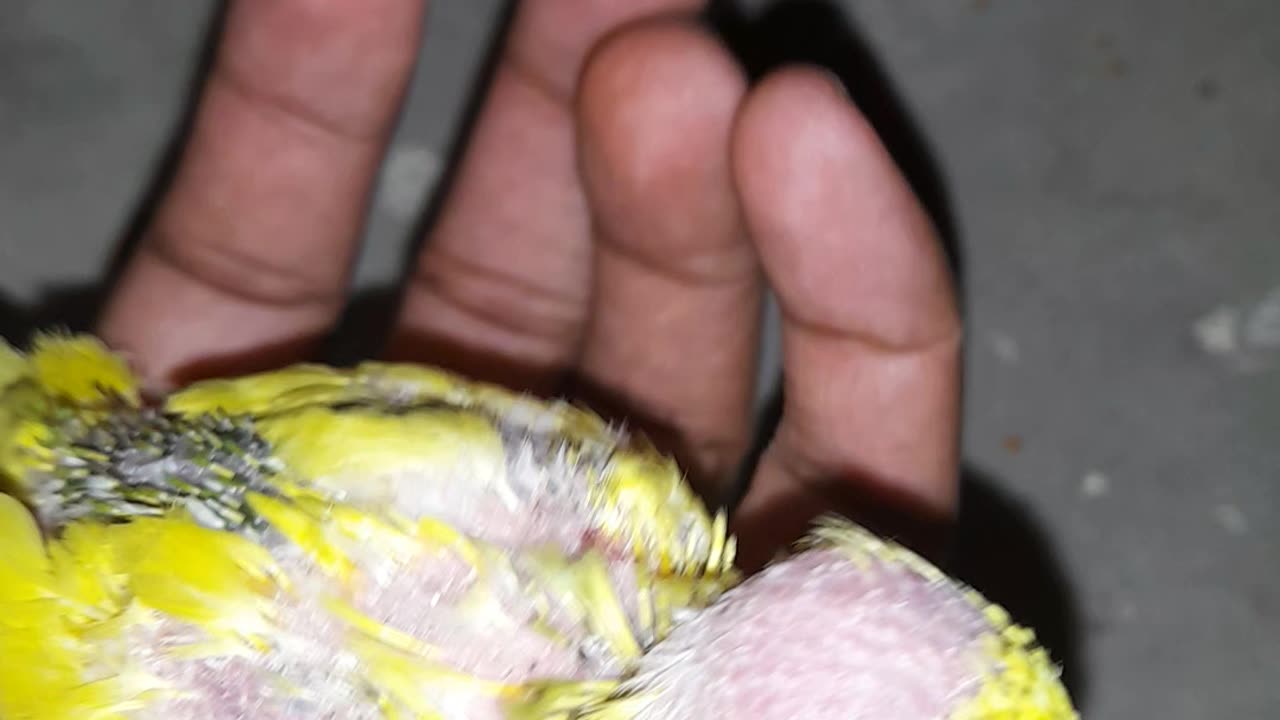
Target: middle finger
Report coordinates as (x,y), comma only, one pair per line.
(675,329)
(506,272)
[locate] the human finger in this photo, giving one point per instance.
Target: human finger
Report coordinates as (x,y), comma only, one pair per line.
(871,332)
(246,260)
(673,334)
(503,283)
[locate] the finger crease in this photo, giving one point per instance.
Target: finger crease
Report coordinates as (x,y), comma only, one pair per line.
(946,340)
(524,71)
(238,274)
(542,312)
(289,109)
(737,273)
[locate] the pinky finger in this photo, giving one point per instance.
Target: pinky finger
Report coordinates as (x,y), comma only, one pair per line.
(871,332)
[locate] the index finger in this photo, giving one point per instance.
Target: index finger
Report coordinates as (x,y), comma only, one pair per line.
(246,260)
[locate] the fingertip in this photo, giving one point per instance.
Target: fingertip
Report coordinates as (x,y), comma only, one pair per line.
(794,91)
(667,68)
(842,236)
(871,331)
(656,106)
(807,109)
(555,38)
(674,327)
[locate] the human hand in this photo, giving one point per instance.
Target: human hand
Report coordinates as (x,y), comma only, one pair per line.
(622,202)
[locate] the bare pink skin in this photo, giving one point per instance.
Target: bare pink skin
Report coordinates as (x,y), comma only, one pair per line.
(818,638)
(421,598)
(814,637)
(424,597)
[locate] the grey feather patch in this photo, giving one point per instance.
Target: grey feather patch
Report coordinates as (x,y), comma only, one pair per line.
(143,462)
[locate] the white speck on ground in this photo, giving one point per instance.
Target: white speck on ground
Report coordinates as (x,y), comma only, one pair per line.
(1128,610)
(1094,484)
(1005,348)
(408,174)
(1217,332)
(1261,329)
(1248,337)
(1232,519)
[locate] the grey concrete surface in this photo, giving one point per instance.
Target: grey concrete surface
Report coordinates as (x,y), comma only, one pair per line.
(1110,175)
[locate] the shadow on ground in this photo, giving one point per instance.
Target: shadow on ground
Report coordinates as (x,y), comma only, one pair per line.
(997,546)
(1000,549)
(71,308)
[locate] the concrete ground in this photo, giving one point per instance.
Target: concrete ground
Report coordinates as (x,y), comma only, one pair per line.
(1108,174)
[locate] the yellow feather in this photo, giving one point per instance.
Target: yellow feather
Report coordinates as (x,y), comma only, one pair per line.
(82,370)
(265,393)
(75,371)
(23,432)
(373,630)
(89,580)
(45,662)
(1020,683)
(364,453)
(569,700)
(414,383)
(643,497)
(583,587)
(443,536)
(304,531)
(25,573)
(350,442)
(287,389)
(413,682)
(218,580)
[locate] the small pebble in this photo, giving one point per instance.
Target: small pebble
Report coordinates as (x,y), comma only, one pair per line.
(1232,519)
(1094,484)
(1128,610)
(1005,348)
(1217,332)
(1246,337)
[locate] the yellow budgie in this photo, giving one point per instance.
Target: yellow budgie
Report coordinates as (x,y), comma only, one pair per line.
(396,542)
